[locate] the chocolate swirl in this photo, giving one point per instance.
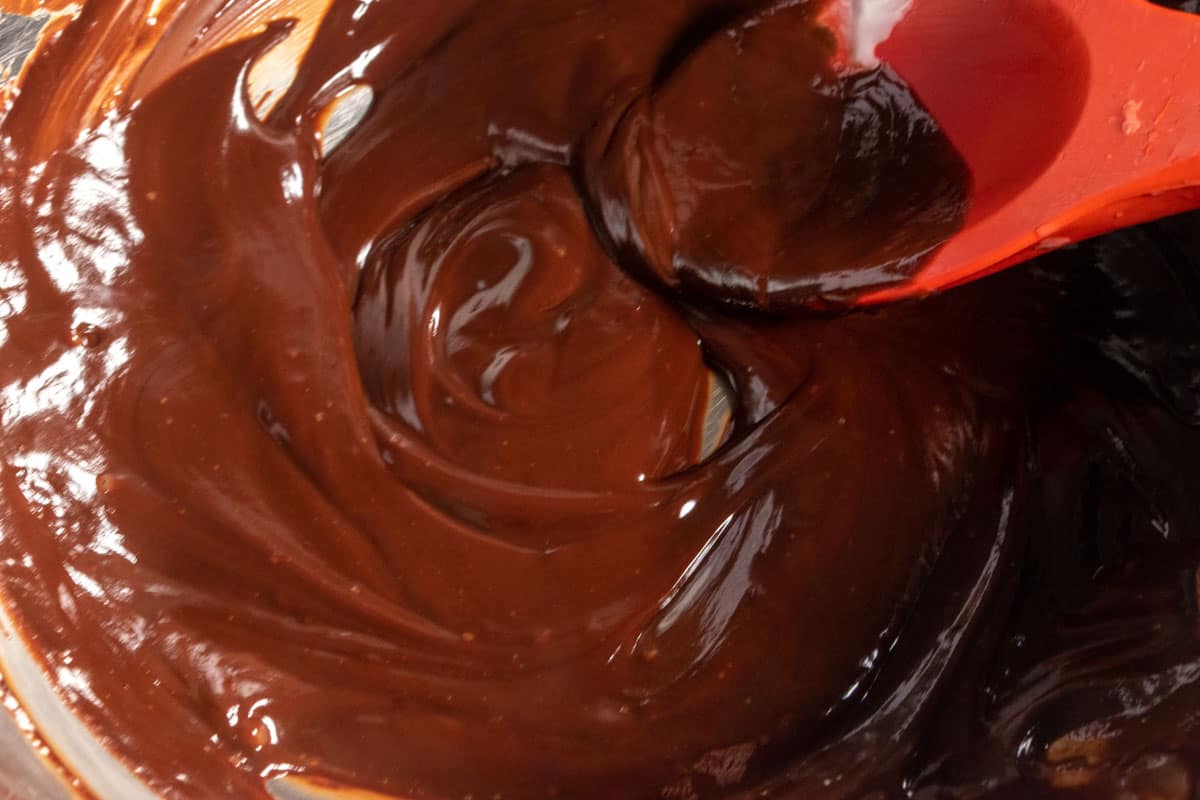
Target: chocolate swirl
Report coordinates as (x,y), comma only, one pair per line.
(496,327)
(385,469)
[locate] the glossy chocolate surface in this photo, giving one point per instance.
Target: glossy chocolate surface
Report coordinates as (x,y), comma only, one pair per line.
(385,469)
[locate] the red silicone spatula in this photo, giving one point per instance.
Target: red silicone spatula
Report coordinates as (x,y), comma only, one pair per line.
(1076,117)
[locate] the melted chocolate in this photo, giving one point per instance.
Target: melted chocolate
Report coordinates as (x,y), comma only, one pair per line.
(386,470)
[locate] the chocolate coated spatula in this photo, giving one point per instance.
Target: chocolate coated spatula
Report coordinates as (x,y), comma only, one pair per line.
(1076,117)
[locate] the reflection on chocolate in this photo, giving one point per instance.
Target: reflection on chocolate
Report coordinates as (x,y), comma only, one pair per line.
(384,470)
